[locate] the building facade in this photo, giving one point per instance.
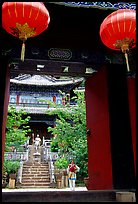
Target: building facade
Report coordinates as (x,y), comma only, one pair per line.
(35,93)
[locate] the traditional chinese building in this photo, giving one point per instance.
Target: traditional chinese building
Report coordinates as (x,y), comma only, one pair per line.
(34,93)
(110,90)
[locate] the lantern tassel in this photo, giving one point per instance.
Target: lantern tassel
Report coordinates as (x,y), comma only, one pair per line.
(23,51)
(126,56)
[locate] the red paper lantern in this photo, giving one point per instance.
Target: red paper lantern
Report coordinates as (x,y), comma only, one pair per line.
(118,31)
(24,19)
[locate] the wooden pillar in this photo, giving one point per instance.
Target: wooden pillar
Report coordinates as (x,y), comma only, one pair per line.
(97,118)
(63,100)
(17,99)
(132,109)
(108,117)
(4,98)
(54,99)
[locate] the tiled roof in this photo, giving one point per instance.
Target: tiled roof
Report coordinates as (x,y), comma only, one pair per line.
(43,80)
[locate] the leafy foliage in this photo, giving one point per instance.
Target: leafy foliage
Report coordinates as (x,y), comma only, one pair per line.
(61,163)
(11,166)
(16,128)
(70,131)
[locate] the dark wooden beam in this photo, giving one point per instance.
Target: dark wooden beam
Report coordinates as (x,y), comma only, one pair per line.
(50,67)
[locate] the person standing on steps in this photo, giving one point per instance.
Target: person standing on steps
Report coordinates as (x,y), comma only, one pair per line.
(37,142)
(71,171)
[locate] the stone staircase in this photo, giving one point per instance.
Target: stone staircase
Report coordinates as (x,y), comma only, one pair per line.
(35,174)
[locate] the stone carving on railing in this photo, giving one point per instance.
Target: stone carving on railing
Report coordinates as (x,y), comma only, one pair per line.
(49,157)
(23,156)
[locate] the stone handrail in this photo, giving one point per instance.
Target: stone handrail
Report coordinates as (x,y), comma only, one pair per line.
(22,156)
(19,176)
(49,157)
(51,171)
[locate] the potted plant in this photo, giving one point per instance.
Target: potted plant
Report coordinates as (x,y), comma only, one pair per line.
(86,181)
(61,165)
(12,168)
(4,178)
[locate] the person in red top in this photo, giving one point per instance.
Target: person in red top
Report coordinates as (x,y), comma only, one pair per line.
(71,171)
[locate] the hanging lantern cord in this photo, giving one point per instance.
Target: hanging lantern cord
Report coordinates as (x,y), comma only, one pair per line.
(126,56)
(125,49)
(23,50)
(124,45)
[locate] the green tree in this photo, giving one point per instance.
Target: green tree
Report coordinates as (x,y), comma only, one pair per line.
(16,128)
(70,131)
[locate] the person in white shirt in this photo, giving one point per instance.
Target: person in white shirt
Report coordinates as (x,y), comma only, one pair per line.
(37,142)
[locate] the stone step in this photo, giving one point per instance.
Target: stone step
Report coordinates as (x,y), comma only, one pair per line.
(35,172)
(35,168)
(35,184)
(35,165)
(35,180)
(35,187)
(34,176)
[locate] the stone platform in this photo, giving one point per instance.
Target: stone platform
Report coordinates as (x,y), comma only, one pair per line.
(57,195)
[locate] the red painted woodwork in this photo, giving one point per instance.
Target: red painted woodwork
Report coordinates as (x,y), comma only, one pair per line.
(63,101)
(54,99)
(132,110)
(119,28)
(25,19)
(6,89)
(97,121)
(17,99)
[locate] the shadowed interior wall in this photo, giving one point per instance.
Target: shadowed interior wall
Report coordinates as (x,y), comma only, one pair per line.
(120,128)
(132,110)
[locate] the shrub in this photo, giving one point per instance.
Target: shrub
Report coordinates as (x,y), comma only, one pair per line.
(61,163)
(11,166)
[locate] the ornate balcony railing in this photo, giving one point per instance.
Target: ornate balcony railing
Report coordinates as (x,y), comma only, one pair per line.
(39,108)
(44,105)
